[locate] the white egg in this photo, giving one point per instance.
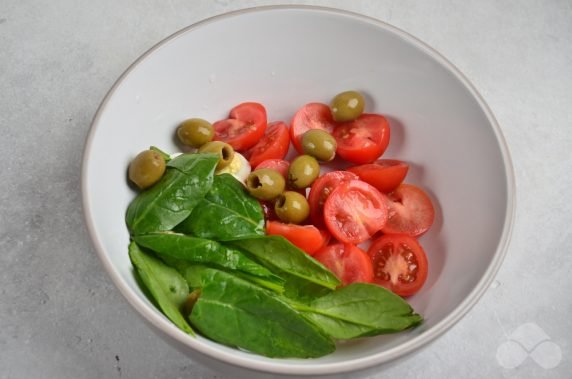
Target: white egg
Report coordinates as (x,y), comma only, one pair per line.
(238,167)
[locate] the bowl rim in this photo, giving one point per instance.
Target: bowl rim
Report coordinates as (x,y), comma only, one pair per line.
(284,366)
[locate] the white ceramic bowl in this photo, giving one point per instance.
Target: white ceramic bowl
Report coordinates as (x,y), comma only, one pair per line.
(285,57)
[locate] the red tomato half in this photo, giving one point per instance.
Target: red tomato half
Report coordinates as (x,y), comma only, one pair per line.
(384,174)
(399,263)
(354,211)
(410,211)
(273,145)
(279,165)
(310,116)
(362,140)
(306,237)
(348,262)
(321,189)
(244,127)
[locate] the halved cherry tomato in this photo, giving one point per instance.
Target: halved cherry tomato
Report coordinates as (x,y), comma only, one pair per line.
(410,211)
(321,189)
(384,174)
(310,116)
(244,127)
(362,140)
(273,145)
(354,211)
(279,165)
(399,263)
(347,261)
(306,237)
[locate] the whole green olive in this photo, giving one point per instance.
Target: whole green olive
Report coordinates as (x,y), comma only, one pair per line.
(347,106)
(319,144)
(224,151)
(292,207)
(265,183)
(302,172)
(195,132)
(146,168)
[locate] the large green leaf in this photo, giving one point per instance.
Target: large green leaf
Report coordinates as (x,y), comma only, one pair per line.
(226,213)
(237,313)
(361,309)
(199,250)
(167,287)
(186,181)
(279,253)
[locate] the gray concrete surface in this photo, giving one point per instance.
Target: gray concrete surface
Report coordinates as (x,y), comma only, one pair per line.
(60,316)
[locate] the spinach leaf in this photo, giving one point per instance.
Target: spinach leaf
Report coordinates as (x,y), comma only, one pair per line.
(237,313)
(226,213)
(186,181)
(360,309)
(199,250)
(301,290)
(277,252)
(167,287)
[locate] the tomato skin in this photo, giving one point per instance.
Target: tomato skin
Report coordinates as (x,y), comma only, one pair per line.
(273,145)
(355,211)
(399,263)
(244,127)
(321,189)
(384,174)
(306,237)
(410,211)
(362,140)
(279,165)
(310,116)
(347,261)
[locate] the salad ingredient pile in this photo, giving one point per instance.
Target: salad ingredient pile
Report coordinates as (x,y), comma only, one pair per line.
(281,257)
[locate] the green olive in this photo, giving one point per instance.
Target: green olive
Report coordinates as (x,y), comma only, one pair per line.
(303,171)
(224,151)
(146,168)
(195,132)
(265,184)
(292,207)
(347,106)
(319,144)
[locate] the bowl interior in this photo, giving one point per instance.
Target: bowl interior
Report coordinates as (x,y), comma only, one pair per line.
(284,58)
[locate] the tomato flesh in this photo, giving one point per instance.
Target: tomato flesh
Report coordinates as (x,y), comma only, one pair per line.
(354,211)
(347,261)
(384,174)
(410,211)
(362,140)
(399,263)
(321,189)
(244,127)
(306,237)
(273,145)
(310,116)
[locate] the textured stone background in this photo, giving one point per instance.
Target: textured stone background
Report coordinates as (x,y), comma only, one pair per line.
(60,316)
